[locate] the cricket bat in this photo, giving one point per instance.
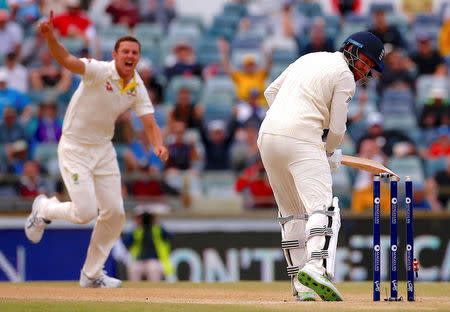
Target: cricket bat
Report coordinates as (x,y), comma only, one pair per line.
(366,165)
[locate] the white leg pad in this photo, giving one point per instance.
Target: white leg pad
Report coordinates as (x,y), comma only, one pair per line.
(333,239)
(322,230)
(294,247)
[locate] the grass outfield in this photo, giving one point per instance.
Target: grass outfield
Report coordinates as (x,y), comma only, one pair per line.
(199,297)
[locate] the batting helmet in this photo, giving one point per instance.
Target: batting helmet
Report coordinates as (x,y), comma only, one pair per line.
(369,44)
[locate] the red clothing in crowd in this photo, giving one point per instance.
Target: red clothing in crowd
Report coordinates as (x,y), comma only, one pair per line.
(254,179)
(64,21)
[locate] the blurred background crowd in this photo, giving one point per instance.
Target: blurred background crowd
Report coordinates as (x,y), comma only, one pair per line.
(206,81)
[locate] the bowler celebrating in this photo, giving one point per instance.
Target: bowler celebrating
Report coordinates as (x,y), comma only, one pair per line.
(87,158)
(311,95)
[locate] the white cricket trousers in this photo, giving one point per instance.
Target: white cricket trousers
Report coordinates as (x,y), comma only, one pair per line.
(92,177)
(300,178)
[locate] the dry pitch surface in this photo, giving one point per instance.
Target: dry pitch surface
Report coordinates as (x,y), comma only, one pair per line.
(198,297)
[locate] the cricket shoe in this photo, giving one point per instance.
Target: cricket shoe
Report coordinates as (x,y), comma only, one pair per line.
(35,225)
(303,293)
(103,281)
(320,284)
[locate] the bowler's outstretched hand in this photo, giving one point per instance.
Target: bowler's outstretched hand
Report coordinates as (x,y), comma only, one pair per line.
(162,152)
(46,27)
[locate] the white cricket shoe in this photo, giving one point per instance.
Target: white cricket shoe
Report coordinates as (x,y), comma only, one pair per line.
(320,284)
(35,225)
(303,293)
(103,281)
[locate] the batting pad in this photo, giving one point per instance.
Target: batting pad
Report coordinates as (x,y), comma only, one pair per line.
(294,245)
(322,231)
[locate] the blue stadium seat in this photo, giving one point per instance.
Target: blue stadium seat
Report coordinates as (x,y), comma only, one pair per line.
(432,166)
(194,84)
(386,7)
(114,31)
(397,102)
(147,31)
(218,105)
(408,166)
(235,9)
(220,84)
(309,9)
(404,122)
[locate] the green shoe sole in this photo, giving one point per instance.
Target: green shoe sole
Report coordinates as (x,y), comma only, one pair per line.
(325,292)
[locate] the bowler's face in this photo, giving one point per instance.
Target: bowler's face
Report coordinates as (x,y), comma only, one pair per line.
(126,57)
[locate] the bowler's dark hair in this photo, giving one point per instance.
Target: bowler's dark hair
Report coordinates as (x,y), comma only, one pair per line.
(126,38)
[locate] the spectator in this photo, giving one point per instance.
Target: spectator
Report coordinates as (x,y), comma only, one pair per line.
(49,126)
(254,179)
(397,73)
(16,155)
(151,81)
(442,181)
(440,147)
(49,75)
(250,77)
(250,112)
(245,148)
(123,130)
(31,183)
(180,173)
(10,129)
(217,139)
(427,59)
(425,196)
(161,12)
(74,23)
(184,63)
(32,48)
(413,7)
(10,97)
(286,24)
(359,109)
(24,12)
(149,246)
(123,12)
(317,39)
(362,197)
(444,34)
(436,111)
(388,34)
(17,73)
(139,155)
(185,110)
(385,139)
(182,154)
(11,35)
(345,7)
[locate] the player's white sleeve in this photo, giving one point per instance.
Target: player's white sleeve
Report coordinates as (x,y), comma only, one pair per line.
(143,105)
(343,93)
(95,71)
(272,91)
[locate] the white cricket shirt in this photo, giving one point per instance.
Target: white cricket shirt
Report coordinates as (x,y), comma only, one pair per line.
(99,100)
(311,95)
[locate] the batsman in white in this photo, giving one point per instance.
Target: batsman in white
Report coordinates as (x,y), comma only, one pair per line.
(311,95)
(87,159)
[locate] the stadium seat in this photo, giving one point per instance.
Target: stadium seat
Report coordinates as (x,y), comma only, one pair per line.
(432,166)
(309,9)
(73,45)
(386,7)
(342,186)
(220,84)
(404,122)
(218,105)
(190,20)
(397,102)
(184,31)
(238,54)
(114,31)
(218,184)
(146,31)
(235,9)
(194,84)
(407,166)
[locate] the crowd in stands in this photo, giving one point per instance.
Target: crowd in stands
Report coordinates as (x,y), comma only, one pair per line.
(207,82)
